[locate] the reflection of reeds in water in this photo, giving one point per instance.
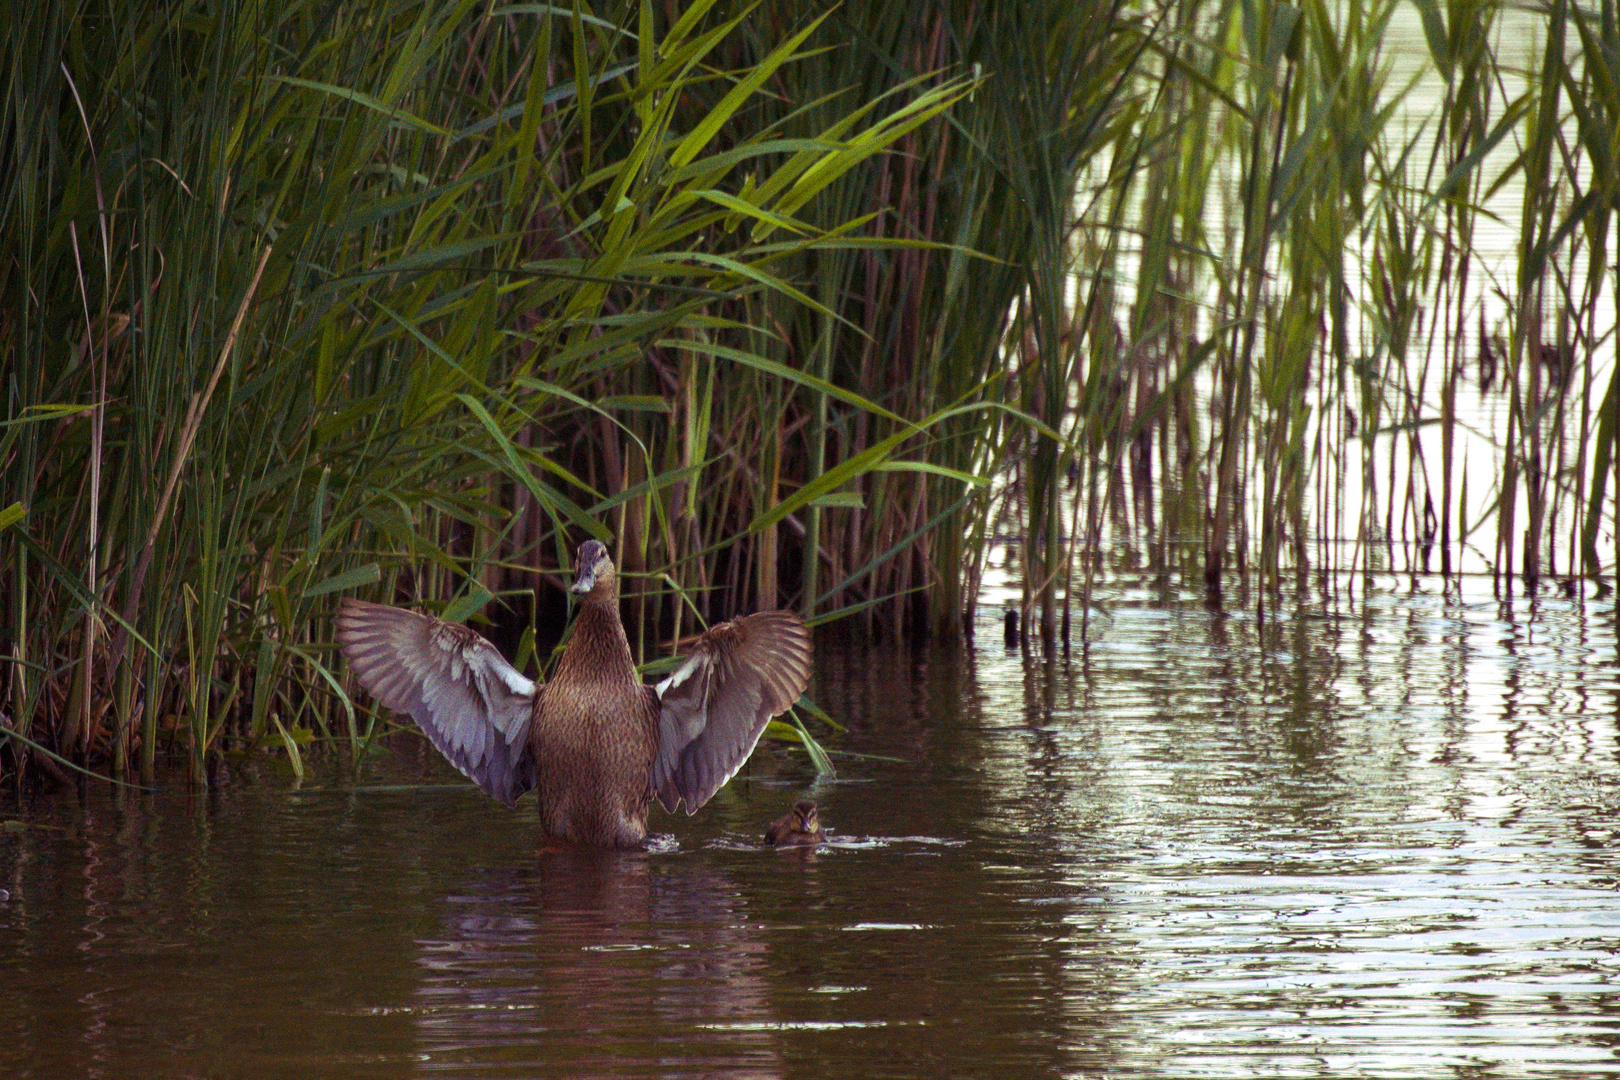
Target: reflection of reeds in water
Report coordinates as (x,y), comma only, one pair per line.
(416,311)
(588,956)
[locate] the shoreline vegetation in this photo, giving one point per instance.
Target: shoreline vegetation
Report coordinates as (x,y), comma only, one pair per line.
(404,300)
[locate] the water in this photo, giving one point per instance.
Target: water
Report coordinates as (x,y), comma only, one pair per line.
(1375,844)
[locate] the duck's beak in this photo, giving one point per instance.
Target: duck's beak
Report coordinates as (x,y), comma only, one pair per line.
(586,581)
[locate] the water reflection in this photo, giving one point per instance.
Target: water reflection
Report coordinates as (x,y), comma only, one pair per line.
(597,963)
(1371,841)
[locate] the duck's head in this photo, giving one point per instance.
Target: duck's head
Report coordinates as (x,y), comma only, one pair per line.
(804,816)
(596,576)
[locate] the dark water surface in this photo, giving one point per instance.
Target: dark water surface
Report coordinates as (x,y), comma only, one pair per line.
(1379,845)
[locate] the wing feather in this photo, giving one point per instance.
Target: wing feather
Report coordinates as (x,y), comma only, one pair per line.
(713,709)
(471,704)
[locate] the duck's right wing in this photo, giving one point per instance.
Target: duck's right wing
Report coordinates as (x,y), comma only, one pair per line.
(712,710)
(470,703)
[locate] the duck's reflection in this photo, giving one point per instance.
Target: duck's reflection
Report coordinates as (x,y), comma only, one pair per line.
(587,957)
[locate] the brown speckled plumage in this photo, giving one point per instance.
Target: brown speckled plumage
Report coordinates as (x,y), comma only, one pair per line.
(596,743)
(595,733)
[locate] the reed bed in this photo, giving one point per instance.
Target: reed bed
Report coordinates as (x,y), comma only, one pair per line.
(1281,286)
(406,300)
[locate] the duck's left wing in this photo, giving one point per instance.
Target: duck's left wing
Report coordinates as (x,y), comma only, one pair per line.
(712,710)
(470,703)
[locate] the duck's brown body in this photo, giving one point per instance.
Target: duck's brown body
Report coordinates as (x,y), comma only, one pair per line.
(597,743)
(594,739)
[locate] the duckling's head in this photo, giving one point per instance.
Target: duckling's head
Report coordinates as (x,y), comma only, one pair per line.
(596,576)
(804,814)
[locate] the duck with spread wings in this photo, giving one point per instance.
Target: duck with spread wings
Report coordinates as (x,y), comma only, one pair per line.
(597,743)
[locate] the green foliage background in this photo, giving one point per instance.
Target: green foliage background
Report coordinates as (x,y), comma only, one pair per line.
(408,299)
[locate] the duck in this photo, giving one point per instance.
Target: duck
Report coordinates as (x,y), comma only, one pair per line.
(797,827)
(596,743)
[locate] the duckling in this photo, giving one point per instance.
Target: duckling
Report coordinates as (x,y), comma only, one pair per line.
(797,827)
(597,743)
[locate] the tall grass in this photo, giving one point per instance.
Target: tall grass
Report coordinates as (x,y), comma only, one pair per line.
(1302,268)
(408,299)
